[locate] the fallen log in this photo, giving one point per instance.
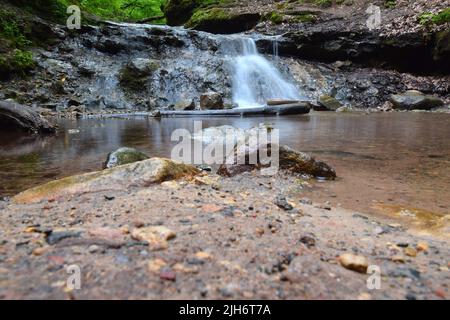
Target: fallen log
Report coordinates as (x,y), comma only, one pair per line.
(287,109)
(281,102)
(17,117)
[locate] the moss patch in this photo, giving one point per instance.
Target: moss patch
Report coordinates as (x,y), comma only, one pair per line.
(220,20)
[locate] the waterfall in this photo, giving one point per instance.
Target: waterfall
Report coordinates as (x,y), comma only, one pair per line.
(256,80)
(276,51)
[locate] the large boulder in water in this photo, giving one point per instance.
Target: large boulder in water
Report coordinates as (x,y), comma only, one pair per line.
(211,101)
(124,156)
(138,174)
(290,160)
(17,117)
(415,100)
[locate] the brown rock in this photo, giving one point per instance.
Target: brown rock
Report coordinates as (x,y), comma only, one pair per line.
(156,236)
(410,252)
(155,266)
(138,174)
(354,262)
(422,246)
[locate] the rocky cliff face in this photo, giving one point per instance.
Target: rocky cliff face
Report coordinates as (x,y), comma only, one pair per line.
(412,35)
(322,51)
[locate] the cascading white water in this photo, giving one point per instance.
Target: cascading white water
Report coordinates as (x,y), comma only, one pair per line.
(256,80)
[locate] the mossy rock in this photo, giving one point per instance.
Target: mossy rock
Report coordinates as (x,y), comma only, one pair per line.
(16,62)
(442,48)
(178,12)
(124,156)
(415,100)
(222,21)
(329,103)
(138,174)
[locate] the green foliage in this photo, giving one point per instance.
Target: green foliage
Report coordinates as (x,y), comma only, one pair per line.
(49,9)
(119,10)
(305,17)
(442,17)
(16,62)
(213,14)
(178,12)
(124,10)
(275,17)
(390,4)
(9,29)
(428,18)
(23,60)
(319,3)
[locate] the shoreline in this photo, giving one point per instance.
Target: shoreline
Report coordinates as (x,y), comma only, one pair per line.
(249,237)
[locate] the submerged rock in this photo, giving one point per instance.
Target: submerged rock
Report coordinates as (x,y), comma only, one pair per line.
(211,101)
(415,100)
(124,156)
(138,174)
(17,117)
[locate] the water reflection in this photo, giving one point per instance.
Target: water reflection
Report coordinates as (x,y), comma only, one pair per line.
(403,153)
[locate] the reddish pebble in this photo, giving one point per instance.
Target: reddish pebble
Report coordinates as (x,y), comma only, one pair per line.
(440,293)
(56,259)
(168,275)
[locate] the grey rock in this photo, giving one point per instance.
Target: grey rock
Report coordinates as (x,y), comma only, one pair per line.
(415,100)
(329,103)
(124,156)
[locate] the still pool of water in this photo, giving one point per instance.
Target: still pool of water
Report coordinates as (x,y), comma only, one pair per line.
(396,158)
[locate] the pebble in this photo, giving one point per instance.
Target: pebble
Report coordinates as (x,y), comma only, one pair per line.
(259,231)
(282,203)
(411,252)
(39,251)
(422,246)
(306,201)
(167,274)
(354,262)
(155,265)
(398,258)
(55,237)
(156,236)
(211,208)
(203,255)
(308,240)
(93,248)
